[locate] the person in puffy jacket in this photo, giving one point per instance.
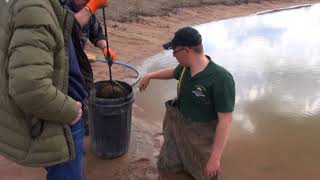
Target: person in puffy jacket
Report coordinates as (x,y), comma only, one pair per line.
(44,76)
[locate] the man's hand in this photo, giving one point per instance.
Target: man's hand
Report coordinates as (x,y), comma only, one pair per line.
(109,55)
(166,73)
(94,5)
(144,82)
(79,105)
(212,167)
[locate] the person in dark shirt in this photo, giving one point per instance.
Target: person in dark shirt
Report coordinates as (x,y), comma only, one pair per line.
(78,89)
(196,125)
(92,30)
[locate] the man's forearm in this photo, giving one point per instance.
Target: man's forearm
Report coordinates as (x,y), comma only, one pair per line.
(221,136)
(83,16)
(167,73)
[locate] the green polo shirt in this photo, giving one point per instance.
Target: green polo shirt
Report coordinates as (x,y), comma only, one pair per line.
(210,91)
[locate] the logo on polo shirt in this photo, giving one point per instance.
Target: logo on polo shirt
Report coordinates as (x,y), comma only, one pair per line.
(199,91)
(199,94)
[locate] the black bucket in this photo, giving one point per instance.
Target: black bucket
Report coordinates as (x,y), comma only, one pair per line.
(110,122)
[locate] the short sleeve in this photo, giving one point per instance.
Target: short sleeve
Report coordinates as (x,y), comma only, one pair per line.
(177,72)
(224,94)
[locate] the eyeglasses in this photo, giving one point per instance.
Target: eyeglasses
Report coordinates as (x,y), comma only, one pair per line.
(175,52)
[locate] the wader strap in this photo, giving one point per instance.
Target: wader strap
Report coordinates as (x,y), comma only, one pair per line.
(180,81)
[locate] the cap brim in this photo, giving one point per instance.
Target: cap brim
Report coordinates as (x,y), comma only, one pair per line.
(168,45)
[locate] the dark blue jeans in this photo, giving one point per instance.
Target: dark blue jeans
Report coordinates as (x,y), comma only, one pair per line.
(70,170)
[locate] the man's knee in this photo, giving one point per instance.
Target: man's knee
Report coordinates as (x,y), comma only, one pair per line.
(169,165)
(169,159)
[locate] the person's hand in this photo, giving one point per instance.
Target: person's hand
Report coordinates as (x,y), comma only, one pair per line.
(79,105)
(94,5)
(144,82)
(212,167)
(109,55)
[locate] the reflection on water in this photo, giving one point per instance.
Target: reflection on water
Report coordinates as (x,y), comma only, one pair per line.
(275,61)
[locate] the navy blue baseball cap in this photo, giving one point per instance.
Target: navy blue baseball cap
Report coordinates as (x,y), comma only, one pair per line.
(187,36)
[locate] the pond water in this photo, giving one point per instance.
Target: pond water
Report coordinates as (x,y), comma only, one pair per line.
(275,61)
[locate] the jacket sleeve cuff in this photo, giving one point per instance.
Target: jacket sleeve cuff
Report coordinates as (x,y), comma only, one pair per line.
(69,111)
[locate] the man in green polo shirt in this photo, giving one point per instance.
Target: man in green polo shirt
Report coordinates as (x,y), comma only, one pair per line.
(196,125)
